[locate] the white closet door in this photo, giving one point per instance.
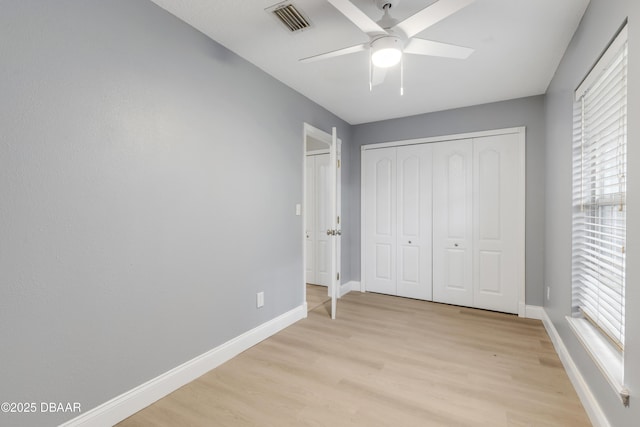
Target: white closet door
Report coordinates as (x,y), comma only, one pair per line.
(497,222)
(323,220)
(380,224)
(310,219)
(413,278)
(452,222)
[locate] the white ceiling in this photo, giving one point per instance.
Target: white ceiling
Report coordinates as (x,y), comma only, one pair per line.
(518,45)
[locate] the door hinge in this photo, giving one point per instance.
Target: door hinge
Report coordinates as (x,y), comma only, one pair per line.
(338,276)
(338,163)
(339,223)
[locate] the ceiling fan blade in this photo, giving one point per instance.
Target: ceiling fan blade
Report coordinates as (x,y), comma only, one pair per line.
(378,75)
(430,16)
(431,48)
(358,17)
(334,53)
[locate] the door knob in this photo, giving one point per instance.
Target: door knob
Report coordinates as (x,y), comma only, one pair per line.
(456,245)
(339,232)
(331,232)
(409,241)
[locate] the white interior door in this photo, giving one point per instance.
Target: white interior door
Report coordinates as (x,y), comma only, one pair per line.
(327,180)
(497,222)
(338,253)
(334,232)
(452,222)
(380,230)
(414,217)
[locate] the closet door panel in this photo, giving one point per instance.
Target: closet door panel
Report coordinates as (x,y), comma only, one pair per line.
(414,221)
(498,223)
(489,277)
(488,162)
(383,267)
(452,222)
(409,267)
(380,220)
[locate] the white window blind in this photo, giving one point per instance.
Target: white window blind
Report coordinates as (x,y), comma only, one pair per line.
(599,190)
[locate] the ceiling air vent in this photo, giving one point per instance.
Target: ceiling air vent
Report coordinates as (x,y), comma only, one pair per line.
(291,17)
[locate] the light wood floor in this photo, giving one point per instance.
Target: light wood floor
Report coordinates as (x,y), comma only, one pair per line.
(385,361)
(316,296)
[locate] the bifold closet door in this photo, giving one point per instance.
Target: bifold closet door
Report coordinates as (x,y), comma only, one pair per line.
(478,220)
(380,220)
(414,221)
(452,222)
(397,204)
(498,222)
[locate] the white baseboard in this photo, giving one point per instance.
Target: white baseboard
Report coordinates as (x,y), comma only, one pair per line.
(132,401)
(522,309)
(345,288)
(534,312)
(591,406)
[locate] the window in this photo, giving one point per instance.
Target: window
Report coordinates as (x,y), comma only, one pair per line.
(599,196)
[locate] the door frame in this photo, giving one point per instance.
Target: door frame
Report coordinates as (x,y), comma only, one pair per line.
(335,147)
(521,131)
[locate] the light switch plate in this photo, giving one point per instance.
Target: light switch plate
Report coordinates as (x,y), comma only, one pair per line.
(260,299)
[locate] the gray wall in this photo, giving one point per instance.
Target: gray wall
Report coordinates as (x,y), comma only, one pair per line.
(527,112)
(598,26)
(148,179)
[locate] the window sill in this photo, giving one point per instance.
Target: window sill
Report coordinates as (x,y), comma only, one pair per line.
(605,355)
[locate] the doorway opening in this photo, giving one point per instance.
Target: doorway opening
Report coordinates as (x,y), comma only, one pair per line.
(321,213)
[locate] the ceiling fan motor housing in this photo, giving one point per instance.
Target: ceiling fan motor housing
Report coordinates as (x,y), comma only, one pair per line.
(387,42)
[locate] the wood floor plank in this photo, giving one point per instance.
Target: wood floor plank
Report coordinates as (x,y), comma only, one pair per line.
(385,361)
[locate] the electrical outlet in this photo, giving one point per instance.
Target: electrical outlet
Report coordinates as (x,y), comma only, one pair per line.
(260,299)
(548,293)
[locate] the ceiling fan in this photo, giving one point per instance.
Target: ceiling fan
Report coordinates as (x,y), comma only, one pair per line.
(390,39)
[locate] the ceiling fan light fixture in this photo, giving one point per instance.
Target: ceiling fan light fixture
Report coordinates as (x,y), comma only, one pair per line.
(386,51)
(385,58)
